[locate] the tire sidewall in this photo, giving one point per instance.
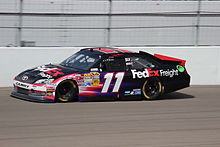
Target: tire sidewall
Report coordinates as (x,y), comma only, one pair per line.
(58,98)
(145,96)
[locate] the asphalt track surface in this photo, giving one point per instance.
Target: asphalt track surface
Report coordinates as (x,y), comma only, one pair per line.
(187,118)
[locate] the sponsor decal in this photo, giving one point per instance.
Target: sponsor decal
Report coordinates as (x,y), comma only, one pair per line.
(91,74)
(137,92)
(19,84)
(24,78)
(51,85)
(86,78)
(94,69)
(55,72)
(133,92)
(140,74)
(169,73)
(51,88)
(127,92)
(29,86)
(96,77)
(152,73)
(78,77)
(86,84)
(42,74)
(180,68)
(80,81)
(43,68)
(108,60)
(129,63)
(127,59)
(49,94)
(95,82)
(52,71)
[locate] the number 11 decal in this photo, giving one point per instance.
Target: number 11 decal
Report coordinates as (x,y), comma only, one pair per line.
(119,77)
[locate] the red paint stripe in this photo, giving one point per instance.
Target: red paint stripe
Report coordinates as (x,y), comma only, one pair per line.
(49,97)
(124,51)
(162,57)
(105,50)
(117,54)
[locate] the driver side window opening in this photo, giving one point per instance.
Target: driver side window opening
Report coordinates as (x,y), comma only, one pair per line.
(113,64)
(137,62)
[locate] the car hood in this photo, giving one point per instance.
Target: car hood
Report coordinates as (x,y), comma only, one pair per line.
(49,71)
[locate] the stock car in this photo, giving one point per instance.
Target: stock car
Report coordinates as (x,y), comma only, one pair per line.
(103,74)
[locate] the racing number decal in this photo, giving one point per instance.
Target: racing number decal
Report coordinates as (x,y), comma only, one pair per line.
(119,77)
(108,80)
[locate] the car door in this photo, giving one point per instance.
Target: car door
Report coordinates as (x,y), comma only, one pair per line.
(112,77)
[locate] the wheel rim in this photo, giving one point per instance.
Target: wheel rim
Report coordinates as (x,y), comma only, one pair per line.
(66,91)
(151,89)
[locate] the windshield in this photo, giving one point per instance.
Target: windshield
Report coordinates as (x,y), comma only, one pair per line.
(81,60)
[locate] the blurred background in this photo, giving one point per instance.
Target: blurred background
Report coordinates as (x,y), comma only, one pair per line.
(54,23)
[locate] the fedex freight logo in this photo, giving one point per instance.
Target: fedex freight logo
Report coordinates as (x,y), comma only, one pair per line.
(169,73)
(152,73)
(140,74)
(144,74)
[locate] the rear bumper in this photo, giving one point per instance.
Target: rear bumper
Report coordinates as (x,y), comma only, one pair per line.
(30,98)
(174,85)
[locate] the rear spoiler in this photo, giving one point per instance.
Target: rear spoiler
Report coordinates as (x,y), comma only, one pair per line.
(166,58)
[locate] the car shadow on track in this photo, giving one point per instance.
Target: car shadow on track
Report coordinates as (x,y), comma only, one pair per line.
(169,96)
(175,95)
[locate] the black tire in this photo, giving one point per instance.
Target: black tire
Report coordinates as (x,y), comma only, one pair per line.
(151,89)
(66,91)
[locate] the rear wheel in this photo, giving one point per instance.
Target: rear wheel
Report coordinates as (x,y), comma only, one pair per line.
(152,88)
(66,91)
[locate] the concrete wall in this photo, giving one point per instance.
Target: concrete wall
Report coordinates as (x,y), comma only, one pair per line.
(39,28)
(202,62)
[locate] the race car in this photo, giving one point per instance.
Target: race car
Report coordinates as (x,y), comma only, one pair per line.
(103,74)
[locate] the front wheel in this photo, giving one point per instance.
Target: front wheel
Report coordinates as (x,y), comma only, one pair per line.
(151,89)
(66,91)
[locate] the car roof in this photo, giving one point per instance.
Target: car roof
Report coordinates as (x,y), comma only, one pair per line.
(108,50)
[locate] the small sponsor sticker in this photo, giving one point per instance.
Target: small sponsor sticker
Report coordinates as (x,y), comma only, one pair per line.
(127,92)
(180,68)
(133,92)
(127,59)
(86,84)
(95,82)
(91,74)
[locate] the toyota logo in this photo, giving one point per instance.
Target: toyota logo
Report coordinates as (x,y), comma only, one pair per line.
(24,78)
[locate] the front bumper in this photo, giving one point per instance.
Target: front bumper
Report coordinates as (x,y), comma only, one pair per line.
(30,98)
(33,92)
